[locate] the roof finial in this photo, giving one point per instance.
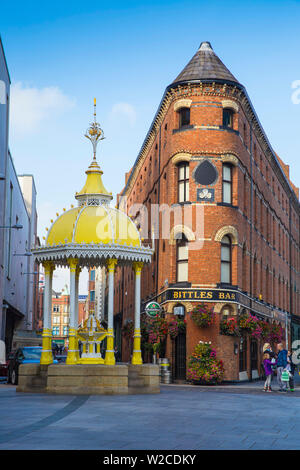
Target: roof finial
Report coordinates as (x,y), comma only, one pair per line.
(94,133)
(205,46)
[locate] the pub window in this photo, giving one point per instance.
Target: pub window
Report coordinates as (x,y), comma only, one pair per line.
(182,256)
(228,117)
(184,117)
(227,183)
(226,259)
(183,182)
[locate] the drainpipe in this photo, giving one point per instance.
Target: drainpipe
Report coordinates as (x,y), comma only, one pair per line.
(290,269)
(251,222)
(158,201)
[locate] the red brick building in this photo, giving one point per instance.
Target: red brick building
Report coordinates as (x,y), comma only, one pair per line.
(236,247)
(60,315)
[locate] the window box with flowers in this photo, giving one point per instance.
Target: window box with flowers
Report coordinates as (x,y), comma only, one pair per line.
(203,315)
(203,367)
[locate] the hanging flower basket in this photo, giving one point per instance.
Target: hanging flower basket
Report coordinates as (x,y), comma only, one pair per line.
(203,367)
(203,316)
(229,326)
(175,327)
(275,333)
(250,324)
(265,330)
(154,331)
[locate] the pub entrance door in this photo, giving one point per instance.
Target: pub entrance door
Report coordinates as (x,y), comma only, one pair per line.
(180,356)
(254,356)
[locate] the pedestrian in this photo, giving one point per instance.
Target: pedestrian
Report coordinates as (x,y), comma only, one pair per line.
(117,355)
(268,349)
(281,365)
(268,372)
(291,370)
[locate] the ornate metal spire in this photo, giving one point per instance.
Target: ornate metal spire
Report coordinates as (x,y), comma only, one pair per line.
(94,133)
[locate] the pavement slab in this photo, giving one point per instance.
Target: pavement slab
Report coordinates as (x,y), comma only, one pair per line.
(180,417)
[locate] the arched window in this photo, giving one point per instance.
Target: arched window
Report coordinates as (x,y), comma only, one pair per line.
(226,311)
(184,117)
(183,182)
(182,258)
(226,259)
(228,117)
(227,183)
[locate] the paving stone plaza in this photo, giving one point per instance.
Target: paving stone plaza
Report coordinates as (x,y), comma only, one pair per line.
(180,417)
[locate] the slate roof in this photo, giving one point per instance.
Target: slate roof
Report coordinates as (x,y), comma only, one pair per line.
(205,65)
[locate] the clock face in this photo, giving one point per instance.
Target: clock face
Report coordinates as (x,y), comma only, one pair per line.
(206,173)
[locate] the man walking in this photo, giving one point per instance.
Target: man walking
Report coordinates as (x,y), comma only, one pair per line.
(281,365)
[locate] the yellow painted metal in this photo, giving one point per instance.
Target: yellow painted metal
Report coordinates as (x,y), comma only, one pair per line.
(46,356)
(137,354)
(85,333)
(137,267)
(110,353)
(111,264)
(94,224)
(73,262)
(124,228)
(62,229)
(93,184)
(72,353)
(90,360)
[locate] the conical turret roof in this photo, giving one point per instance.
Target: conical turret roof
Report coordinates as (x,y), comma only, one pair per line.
(205,65)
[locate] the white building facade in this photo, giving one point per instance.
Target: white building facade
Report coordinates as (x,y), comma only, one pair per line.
(4,119)
(18,233)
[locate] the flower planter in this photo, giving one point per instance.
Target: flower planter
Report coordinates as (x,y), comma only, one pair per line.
(202,316)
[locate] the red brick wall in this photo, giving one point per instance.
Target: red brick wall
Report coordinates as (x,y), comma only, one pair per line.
(271,233)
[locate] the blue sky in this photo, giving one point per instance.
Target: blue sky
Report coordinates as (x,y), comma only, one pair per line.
(62,54)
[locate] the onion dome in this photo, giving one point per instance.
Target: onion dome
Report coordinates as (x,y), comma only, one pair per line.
(94,224)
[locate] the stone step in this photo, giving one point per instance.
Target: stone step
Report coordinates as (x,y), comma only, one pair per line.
(132,374)
(39,382)
(135,382)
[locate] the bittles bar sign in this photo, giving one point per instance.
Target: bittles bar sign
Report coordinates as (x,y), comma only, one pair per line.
(211,295)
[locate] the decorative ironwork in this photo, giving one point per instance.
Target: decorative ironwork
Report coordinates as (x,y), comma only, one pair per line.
(94,133)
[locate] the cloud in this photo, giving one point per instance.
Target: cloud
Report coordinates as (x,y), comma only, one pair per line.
(31,106)
(124,110)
